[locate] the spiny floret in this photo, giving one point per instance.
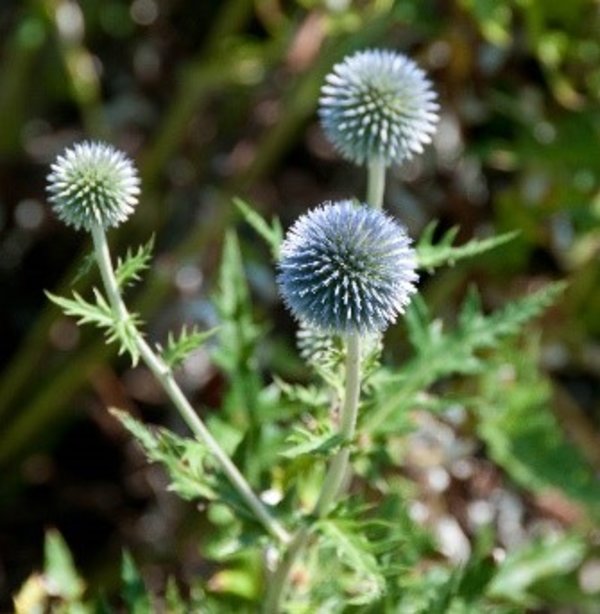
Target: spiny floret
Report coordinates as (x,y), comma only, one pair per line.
(378,104)
(326,349)
(346,267)
(93,184)
(317,346)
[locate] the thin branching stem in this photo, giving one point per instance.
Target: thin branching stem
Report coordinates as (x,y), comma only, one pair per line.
(165,377)
(334,480)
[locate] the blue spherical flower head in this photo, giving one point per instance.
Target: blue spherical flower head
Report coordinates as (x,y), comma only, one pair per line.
(93,184)
(378,105)
(347,268)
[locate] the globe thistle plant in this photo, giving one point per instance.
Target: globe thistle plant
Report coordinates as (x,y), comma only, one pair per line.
(378,105)
(93,184)
(347,268)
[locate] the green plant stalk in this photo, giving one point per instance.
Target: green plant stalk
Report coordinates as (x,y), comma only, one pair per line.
(279,580)
(334,480)
(165,376)
(339,465)
(375,182)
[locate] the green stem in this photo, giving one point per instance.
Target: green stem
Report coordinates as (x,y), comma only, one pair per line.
(376,183)
(164,375)
(279,581)
(339,465)
(332,485)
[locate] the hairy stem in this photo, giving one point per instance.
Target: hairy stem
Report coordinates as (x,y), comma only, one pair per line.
(336,474)
(165,376)
(376,183)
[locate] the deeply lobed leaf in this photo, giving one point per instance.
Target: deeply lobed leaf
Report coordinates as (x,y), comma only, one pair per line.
(123,331)
(432,256)
(130,268)
(440,354)
(179,348)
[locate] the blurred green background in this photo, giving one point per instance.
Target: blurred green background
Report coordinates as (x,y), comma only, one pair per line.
(217,99)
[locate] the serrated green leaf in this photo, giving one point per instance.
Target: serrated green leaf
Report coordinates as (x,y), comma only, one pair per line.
(524,438)
(440,354)
(471,309)
(432,256)
(237,333)
(133,590)
(354,550)
(99,314)
(126,333)
(179,348)
(238,337)
(552,557)
(59,569)
(271,233)
(87,263)
(123,331)
(303,442)
(187,461)
(308,396)
(130,268)
(422,331)
(145,436)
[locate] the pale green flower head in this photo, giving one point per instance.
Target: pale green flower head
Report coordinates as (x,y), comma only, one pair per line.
(93,184)
(378,105)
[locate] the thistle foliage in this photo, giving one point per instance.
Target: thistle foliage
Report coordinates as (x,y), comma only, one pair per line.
(129,268)
(179,347)
(121,331)
(432,255)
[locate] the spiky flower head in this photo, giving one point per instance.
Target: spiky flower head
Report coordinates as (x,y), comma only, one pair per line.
(346,267)
(378,105)
(93,183)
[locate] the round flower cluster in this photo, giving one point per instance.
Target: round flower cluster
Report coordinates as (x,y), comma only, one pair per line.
(378,105)
(347,268)
(93,184)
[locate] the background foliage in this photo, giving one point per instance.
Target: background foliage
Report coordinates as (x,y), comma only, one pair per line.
(216,100)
